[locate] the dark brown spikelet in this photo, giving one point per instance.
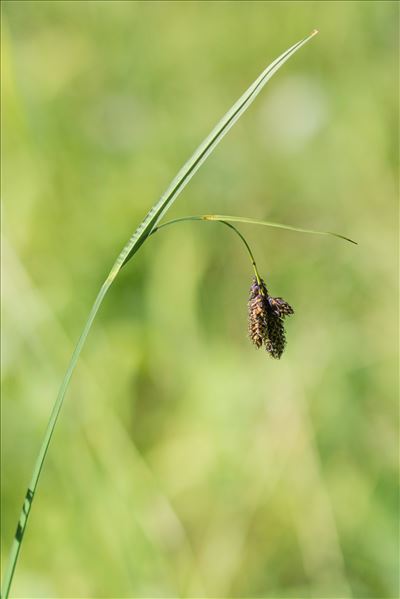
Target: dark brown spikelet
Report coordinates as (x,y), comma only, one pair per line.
(279,307)
(266,316)
(258,313)
(276,341)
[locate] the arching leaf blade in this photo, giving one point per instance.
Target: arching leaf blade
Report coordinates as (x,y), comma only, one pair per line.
(203,151)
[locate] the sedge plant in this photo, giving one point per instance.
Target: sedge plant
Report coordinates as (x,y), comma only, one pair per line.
(266,313)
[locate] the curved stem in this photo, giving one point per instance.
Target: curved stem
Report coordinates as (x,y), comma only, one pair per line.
(253,262)
(223,222)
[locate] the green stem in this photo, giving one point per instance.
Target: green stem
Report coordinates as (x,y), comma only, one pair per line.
(253,262)
(208,219)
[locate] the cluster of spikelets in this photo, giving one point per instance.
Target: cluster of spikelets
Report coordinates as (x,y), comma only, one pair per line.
(266,315)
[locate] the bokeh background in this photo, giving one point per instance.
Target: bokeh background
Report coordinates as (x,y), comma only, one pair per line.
(186,463)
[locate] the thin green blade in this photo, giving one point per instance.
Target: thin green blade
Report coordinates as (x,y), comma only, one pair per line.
(203,151)
(266,223)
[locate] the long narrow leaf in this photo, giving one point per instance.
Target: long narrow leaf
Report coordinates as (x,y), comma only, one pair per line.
(204,150)
(139,236)
(266,223)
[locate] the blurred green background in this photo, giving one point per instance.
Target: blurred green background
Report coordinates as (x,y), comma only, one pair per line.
(186,463)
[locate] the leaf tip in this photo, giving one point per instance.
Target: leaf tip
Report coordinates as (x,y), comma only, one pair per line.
(351,240)
(343,237)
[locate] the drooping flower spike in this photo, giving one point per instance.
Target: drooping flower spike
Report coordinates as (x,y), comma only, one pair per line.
(266,315)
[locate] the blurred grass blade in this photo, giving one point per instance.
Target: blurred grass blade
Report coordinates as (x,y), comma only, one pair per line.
(266,223)
(205,149)
(137,239)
